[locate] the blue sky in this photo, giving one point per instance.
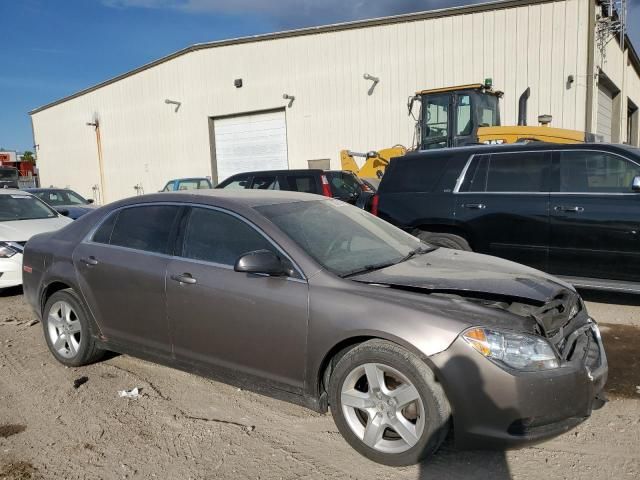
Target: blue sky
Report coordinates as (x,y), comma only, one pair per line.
(52,48)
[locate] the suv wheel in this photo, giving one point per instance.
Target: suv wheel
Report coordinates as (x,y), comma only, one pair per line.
(387,405)
(67,330)
(446,240)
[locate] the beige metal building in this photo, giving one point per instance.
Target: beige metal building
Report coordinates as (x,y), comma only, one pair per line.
(219,108)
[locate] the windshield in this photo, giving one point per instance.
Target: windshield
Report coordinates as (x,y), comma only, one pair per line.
(8,174)
(20,206)
(59,198)
(342,238)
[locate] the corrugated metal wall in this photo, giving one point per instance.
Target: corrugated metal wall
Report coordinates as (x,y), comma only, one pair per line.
(145,141)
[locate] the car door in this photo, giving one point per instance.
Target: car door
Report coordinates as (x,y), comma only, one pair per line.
(121,272)
(238,324)
(503,203)
(595,216)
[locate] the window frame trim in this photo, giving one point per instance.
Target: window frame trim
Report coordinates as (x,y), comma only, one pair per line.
(178,242)
(554,153)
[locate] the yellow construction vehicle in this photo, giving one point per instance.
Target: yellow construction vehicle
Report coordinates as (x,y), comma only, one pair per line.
(463,115)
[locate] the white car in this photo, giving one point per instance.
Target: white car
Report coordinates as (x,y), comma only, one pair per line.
(22,216)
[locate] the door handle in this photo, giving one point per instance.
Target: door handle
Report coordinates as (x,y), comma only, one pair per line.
(561,208)
(475,206)
(184,278)
(91,261)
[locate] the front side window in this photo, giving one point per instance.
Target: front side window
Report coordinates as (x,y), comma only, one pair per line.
(23,207)
(204,185)
(342,238)
(596,172)
(218,237)
(509,172)
(238,183)
(58,198)
(188,185)
(146,228)
(265,183)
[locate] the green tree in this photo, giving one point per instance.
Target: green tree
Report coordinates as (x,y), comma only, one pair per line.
(28,157)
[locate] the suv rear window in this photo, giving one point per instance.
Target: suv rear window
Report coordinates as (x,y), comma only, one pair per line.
(343,185)
(419,174)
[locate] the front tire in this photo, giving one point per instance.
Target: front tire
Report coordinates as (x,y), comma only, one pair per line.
(387,404)
(67,330)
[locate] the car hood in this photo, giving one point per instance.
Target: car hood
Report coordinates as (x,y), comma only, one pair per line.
(458,272)
(23,230)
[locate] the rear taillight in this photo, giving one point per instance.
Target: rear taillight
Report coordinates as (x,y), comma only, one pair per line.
(374,204)
(326,189)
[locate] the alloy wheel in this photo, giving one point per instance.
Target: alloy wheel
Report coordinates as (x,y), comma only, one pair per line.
(382,408)
(65,331)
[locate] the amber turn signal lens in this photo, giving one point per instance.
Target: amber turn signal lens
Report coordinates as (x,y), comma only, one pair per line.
(478,340)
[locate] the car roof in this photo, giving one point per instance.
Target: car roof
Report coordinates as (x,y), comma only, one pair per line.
(229,198)
(186,179)
(13,191)
(278,172)
(45,189)
(524,147)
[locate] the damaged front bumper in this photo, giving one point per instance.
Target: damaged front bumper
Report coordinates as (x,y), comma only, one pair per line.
(496,407)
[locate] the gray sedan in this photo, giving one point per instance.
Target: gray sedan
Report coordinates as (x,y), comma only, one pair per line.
(314,301)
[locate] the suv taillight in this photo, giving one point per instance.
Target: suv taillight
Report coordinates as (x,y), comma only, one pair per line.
(326,188)
(374,204)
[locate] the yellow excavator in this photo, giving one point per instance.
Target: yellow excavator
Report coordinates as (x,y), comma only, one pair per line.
(459,116)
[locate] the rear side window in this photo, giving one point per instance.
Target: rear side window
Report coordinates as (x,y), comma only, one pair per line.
(508,172)
(596,172)
(302,183)
(103,234)
(217,237)
(419,174)
(146,228)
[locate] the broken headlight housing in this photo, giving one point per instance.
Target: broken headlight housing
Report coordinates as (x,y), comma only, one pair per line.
(7,250)
(520,351)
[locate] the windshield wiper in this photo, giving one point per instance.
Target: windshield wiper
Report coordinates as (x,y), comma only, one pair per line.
(370,268)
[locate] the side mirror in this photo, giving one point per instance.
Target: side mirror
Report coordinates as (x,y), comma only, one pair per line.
(635,185)
(90,200)
(260,261)
(63,211)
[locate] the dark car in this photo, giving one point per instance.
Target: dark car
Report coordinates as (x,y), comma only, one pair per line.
(320,303)
(8,177)
(342,185)
(570,210)
(64,201)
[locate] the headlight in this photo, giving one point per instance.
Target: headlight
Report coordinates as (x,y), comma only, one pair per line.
(515,350)
(6,250)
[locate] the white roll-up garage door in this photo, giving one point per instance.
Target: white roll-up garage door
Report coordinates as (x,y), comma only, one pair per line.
(250,142)
(605,112)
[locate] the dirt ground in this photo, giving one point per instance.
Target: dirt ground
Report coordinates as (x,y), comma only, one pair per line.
(187,427)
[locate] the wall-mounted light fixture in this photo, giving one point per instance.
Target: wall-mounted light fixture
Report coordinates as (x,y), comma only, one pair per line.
(173,102)
(373,79)
(291,99)
(237,83)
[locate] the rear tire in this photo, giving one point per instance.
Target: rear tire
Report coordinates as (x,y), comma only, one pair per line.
(67,330)
(446,240)
(387,404)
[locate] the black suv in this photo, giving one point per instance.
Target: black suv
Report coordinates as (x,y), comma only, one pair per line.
(570,210)
(338,184)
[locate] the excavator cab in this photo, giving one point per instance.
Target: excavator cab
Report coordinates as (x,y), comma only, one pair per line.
(451,117)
